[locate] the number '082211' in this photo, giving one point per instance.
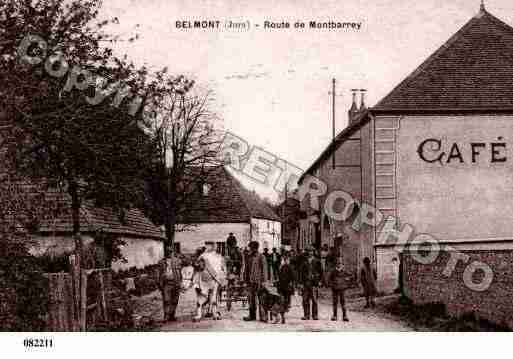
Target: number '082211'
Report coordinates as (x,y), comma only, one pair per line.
(38,343)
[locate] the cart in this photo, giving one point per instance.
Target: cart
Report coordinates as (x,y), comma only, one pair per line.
(234,290)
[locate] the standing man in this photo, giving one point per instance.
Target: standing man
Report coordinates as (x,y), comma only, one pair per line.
(275,263)
(331,259)
(236,258)
(294,266)
(234,255)
(310,277)
(368,278)
(324,256)
(339,280)
(286,279)
(255,275)
(269,264)
(170,280)
(245,255)
(231,241)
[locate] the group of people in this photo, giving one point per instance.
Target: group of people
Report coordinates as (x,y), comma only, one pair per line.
(269,274)
(306,273)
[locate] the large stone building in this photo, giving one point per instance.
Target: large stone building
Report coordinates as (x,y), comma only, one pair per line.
(433,154)
(222,205)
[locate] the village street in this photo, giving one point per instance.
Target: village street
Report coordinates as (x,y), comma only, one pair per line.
(360,319)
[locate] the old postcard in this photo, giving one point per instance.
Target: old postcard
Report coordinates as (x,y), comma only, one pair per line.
(255,166)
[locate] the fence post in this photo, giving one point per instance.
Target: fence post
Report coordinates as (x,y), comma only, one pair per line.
(83,300)
(75,284)
(103,301)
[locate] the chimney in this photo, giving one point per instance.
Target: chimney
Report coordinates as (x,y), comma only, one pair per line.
(353,111)
(362,102)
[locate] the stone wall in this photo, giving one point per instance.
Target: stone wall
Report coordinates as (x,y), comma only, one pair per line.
(427,284)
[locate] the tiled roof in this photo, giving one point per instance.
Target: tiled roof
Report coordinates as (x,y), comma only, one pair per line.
(473,70)
(227,202)
(94,219)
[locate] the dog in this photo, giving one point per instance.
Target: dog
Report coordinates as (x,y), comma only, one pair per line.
(273,305)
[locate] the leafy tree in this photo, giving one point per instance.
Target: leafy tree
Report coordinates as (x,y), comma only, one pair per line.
(72,123)
(66,136)
(22,284)
(185,138)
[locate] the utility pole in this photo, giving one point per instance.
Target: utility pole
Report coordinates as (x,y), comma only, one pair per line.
(284,203)
(283,215)
(333,93)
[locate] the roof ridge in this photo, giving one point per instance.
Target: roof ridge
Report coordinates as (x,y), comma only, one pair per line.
(496,20)
(93,219)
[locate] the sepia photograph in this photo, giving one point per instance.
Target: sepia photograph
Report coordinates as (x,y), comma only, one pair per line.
(170,166)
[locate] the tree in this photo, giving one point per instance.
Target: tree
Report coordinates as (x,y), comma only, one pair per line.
(185,141)
(57,76)
(22,284)
(91,150)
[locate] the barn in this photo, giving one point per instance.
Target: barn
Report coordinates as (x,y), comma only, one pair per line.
(223,206)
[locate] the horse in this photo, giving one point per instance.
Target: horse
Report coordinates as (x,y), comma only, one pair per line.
(207,287)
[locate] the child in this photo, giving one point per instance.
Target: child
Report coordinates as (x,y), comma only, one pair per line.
(286,279)
(368,278)
(339,281)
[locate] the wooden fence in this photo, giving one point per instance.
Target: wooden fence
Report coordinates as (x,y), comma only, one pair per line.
(74,304)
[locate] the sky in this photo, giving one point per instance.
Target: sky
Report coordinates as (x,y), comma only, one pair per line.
(272,85)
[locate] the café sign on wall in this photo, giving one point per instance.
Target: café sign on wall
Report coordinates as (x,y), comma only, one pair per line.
(436,150)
